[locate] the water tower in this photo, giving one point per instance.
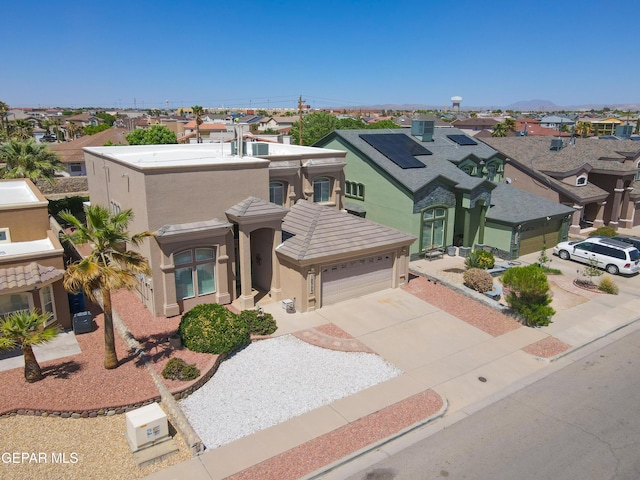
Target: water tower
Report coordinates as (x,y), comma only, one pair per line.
(456,103)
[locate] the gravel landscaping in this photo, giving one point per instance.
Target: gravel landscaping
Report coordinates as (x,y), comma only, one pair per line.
(273,380)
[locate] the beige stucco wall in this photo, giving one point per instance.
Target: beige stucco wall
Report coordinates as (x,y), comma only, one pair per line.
(522,180)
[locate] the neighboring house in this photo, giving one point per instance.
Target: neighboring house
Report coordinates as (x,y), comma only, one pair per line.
(85,119)
(598,178)
(228,225)
(532,127)
(31,256)
(443,187)
(475,124)
(405,121)
(556,121)
(72,155)
(605,126)
(209,132)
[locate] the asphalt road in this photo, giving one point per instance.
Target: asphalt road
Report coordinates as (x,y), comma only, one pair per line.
(582,422)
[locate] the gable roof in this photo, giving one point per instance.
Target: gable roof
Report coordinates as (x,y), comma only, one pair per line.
(442,163)
(72,151)
(321,232)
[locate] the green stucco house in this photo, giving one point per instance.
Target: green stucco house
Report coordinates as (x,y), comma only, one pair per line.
(445,188)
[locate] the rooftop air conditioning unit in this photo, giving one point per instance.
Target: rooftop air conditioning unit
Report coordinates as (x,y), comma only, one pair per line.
(556,144)
(423,129)
(146,426)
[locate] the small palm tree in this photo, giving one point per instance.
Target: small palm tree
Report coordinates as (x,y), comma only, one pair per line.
(510,124)
(20,129)
(28,159)
(24,329)
(500,130)
(198,111)
(108,267)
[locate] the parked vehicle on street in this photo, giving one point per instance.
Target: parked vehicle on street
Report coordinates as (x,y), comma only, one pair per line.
(612,255)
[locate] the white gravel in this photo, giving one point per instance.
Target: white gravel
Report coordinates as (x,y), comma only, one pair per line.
(273,380)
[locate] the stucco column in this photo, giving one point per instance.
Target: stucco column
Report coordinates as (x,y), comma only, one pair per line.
(574,229)
(276,289)
(466,241)
(222,260)
(617,199)
(483,213)
(599,220)
(626,220)
(246,295)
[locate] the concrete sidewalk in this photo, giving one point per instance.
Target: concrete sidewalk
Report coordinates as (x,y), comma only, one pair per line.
(434,349)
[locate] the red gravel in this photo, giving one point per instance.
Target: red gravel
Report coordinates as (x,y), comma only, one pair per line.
(332,330)
(474,313)
(80,382)
(547,347)
(345,440)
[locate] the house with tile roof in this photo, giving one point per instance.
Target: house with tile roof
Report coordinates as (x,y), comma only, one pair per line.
(597,178)
(443,187)
(31,256)
(235,221)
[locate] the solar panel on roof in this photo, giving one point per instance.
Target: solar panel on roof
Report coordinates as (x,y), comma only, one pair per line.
(462,139)
(397,147)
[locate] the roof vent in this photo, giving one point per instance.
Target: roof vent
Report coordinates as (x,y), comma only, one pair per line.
(556,144)
(423,129)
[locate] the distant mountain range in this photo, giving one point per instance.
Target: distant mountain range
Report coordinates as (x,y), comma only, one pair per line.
(521,106)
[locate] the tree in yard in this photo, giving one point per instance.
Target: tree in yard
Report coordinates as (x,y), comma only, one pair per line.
(20,129)
(73,130)
(24,329)
(156,135)
(383,124)
(500,130)
(198,111)
(529,294)
(4,109)
(510,123)
(109,266)
(28,159)
(314,126)
(584,129)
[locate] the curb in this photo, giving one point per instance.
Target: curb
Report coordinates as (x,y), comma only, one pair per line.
(317,474)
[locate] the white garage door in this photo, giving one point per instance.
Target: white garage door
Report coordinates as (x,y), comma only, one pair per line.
(350,280)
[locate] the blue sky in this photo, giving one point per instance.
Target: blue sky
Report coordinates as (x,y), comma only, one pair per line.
(264,54)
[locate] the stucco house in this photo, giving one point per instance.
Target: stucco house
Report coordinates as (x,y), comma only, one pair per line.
(31,256)
(231,221)
(597,178)
(445,188)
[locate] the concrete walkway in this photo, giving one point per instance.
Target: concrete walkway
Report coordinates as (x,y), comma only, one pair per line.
(64,345)
(437,351)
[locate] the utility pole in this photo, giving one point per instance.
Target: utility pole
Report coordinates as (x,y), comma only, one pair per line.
(300,100)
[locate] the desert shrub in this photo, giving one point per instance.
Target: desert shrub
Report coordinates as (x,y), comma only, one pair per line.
(607,285)
(528,294)
(603,232)
(178,369)
(478,279)
(212,328)
(480,259)
(259,323)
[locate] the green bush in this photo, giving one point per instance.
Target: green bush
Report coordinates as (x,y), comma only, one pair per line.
(528,294)
(212,328)
(603,232)
(607,285)
(480,259)
(178,369)
(478,279)
(259,323)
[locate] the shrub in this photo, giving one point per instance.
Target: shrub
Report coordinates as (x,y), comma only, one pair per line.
(607,285)
(178,369)
(259,323)
(480,259)
(603,232)
(212,328)
(478,279)
(528,296)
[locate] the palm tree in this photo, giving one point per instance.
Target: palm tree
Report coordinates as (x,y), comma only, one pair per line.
(109,266)
(583,129)
(24,329)
(198,111)
(72,129)
(4,108)
(510,123)
(20,129)
(500,130)
(28,159)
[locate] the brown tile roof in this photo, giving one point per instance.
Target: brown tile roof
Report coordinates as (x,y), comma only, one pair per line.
(71,152)
(27,276)
(253,207)
(206,127)
(322,232)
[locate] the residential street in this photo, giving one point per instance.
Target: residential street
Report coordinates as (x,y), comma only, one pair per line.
(581,422)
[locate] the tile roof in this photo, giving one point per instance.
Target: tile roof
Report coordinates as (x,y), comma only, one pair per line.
(253,207)
(320,231)
(27,276)
(446,154)
(206,127)
(71,152)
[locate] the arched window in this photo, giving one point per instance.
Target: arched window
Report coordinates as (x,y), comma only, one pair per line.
(434,221)
(321,190)
(276,193)
(468,169)
(492,168)
(195,272)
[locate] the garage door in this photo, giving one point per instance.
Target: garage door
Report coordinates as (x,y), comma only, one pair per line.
(356,278)
(544,234)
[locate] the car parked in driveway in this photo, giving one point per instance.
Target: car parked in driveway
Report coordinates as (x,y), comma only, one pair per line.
(612,255)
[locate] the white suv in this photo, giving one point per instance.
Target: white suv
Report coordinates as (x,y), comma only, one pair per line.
(612,255)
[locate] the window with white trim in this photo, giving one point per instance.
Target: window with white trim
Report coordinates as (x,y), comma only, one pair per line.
(14,303)
(321,190)
(46,301)
(194,272)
